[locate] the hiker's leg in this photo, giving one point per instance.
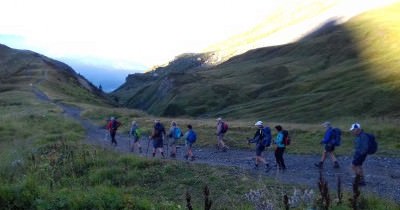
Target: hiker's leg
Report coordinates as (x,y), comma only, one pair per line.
(280,157)
(323,157)
(277,160)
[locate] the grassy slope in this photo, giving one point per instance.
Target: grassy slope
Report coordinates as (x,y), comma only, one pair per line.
(332,75)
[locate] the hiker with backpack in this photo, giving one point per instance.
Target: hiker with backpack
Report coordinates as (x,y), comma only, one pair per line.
(331,140)
(281,141)
(158,138)
(174,134)
(135,133)
(190,137)
(364,145)
(222,128)
(262,139)
(112,127)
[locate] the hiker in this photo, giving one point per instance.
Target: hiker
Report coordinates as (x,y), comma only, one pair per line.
(280,147)
(360,151)
(329,142)
(262,139)
(191,138)
(135,133)
(222,128)
(158,138)
(174,134)
(112,127)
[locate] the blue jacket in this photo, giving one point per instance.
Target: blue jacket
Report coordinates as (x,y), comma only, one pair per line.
(360,145)
(279,140)
(328,136)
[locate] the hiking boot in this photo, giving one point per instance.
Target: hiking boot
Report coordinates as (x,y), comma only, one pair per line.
(319,165)
(267,168)
(224,149)
(186,157)
(255,167)
(192,158)
(172,155)
(336,165)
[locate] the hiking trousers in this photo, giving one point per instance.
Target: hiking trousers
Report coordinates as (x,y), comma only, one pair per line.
(112,134)
(279,157)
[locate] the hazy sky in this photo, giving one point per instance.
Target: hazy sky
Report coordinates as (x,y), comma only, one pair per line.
(128,33)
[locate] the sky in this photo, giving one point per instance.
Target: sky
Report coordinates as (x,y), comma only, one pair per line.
(127,34)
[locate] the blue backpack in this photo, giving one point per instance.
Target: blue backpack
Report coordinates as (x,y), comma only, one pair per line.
(337,136)
(177,133)
(266,141)
(192,137)
(372,144)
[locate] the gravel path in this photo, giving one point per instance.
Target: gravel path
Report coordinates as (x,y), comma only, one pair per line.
(382,173)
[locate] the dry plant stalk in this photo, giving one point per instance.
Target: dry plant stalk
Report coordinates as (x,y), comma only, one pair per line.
(207,201)
(188,201)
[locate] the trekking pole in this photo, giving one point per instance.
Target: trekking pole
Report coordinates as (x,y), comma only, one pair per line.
(167,146)
(148,145)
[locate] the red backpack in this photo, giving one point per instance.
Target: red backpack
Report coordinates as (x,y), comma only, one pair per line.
(224,127)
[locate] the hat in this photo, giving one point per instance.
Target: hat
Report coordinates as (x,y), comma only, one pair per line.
(258,123)
(326,124)
(355,126)
(133,122)
(112,118)
(219,119)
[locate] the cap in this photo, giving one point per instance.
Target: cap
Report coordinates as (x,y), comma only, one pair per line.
(326,124)
(258,123)
(133,122)
(355,126)
(112,118)
(219,119)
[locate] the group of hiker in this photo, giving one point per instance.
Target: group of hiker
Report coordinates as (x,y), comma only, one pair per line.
(364,143)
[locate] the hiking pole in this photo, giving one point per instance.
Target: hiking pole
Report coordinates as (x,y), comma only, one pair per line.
(148,145)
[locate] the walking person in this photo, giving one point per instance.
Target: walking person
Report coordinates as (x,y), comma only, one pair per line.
(158,135)
(222,128)
(329,142)
(262,139)
(135,133)
(112,127)
(360,152)
(174,135)
(280,147)
(190,137)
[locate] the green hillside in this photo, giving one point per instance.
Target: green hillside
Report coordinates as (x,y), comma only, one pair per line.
(348,70)
(23,70)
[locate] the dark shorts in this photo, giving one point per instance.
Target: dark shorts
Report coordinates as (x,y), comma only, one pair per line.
(189,145)
(158,143)
(259,149)
(359,160)
(135,139)
(329,147)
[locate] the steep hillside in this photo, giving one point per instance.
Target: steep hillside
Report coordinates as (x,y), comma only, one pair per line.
(22,70)
(347,70)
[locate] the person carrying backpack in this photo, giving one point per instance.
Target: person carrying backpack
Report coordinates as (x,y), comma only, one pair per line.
(262,139)
(158,138)
(112,127)
(174,134)
(329,142)
(222,128)
(190,137)
(363,144)
(135,133)
(280,147)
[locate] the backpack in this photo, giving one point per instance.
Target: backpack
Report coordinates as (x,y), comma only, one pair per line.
(192,137)
(337,136)
(266,137)
(136,132)
(114,125)
(286,137)
(158,129)
(177,133)
(372,144)
(224,127)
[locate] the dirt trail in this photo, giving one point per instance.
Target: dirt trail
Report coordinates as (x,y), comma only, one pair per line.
(382,174)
